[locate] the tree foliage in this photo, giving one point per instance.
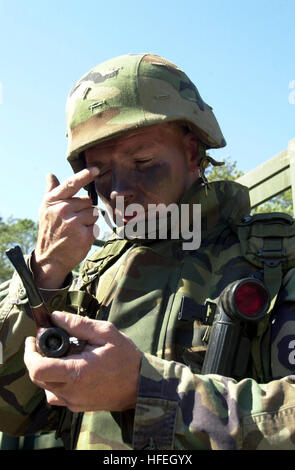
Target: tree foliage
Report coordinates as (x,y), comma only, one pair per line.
(229,171)
(13,232)
(280,203)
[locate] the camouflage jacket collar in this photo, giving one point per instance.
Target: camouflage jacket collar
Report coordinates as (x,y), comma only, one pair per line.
(221,203)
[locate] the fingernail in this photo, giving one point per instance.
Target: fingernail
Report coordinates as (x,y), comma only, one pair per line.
(94,170)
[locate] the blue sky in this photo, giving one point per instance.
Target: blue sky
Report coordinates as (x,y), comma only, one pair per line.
(240,54)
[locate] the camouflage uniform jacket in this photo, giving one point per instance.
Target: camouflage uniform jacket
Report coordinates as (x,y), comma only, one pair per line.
(141,288)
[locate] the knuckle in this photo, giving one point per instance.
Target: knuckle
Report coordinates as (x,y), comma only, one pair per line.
(95,212)
(72,223)
(108,328)
(95,232)
(54,399)
(36,373)
(75,372)
(63,208)
(77,322)
(88,324)
(71,320)
(70,183)
(90,238)
(92,230)
(87,238)
(89,202)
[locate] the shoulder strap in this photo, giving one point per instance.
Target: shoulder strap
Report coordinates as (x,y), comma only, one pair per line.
(102,258)
(78,298)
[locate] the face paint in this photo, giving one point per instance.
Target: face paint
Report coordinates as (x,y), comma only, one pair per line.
(149,181)
(148,167)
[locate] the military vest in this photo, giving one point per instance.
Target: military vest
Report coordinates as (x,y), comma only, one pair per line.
(154,292)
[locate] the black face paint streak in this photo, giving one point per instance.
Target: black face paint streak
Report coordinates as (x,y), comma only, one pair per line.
(147,185)
(153,177)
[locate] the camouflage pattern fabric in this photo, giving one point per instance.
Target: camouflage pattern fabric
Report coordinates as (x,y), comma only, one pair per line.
(23,409)
(226,415)
(140,287)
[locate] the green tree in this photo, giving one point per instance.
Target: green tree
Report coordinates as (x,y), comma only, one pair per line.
(281,203)
(13,232)
(229,171)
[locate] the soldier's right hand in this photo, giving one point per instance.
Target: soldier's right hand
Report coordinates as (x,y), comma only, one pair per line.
(66,229)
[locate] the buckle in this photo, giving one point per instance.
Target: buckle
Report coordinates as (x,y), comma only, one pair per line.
(271,259)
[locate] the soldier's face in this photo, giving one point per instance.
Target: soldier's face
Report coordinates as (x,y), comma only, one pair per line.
(152,165)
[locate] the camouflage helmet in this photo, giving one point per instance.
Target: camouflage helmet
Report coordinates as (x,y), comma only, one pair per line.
(133,91)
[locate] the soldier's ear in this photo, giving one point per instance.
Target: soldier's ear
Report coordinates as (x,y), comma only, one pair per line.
(191,151)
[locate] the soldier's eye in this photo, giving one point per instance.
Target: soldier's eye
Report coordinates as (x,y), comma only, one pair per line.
(142,161)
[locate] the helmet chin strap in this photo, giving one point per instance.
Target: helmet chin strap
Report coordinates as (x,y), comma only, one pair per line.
(90,188)
(205,161)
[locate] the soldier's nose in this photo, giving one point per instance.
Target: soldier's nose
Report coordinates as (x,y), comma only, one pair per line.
(122,184)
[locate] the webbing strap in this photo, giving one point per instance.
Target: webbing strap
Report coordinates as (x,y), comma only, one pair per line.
(272,256)
(260,356)
(83,300)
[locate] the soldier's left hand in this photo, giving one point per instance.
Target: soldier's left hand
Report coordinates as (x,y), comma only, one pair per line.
(103,377)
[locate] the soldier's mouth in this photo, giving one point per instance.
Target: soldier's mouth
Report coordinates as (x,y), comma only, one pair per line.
(135,216)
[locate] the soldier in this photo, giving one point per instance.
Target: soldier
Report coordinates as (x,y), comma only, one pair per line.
(138,128)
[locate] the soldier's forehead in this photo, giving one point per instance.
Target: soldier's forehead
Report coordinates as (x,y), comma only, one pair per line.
(129,137)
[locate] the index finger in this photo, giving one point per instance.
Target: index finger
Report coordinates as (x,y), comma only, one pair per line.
(73,184)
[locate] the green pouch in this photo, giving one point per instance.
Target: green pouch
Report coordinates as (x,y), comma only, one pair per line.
(268,242)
